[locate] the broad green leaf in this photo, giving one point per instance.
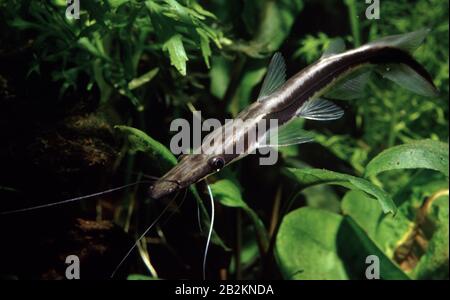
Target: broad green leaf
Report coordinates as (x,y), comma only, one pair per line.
(177,54)
(363,247)
(228,194)
(323,197)
(310,177)
(391,232)
(427,154)
(306,245)
(317,244)
(385,230)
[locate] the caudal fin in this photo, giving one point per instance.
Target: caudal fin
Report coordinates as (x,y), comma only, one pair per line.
(407,42)
(415,79)
(407,73)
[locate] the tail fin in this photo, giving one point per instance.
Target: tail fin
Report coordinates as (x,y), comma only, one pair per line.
(411,78)
(407,42)
(408,73)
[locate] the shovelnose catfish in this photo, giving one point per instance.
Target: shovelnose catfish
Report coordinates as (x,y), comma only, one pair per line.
(338,74)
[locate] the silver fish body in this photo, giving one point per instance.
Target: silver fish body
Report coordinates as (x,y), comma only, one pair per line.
(285,101)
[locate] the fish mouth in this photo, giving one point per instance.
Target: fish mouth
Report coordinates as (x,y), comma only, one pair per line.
(188,171)
(162,188)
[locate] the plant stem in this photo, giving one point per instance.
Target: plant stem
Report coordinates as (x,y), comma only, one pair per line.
(354,22)
(275,211)
(238,247)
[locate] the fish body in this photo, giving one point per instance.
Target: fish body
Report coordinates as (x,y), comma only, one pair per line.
(300,96)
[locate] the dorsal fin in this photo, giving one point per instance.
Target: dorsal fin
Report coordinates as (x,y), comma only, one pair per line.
(275,77)
(335,46)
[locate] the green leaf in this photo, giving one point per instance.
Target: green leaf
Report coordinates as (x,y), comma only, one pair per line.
(364,247)
(255,70)
(323,197)
(310,177)
(204,45)
(275,26)
(177,54)
(317,244)
(220,76)
(385,230)
(392,233)
(426,154)
(117,3)
(229,194)
(435,262)
(95,50)
(140,277)
(143,79)
(306,247)
(140,141)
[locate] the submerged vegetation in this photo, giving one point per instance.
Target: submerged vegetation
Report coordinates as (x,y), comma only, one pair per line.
(86,105)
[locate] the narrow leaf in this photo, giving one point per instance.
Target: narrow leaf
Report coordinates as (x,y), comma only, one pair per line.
(177,54)
(140,141)
(425,154)
(311,177)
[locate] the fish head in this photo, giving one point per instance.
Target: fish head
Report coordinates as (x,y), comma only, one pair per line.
(190,169)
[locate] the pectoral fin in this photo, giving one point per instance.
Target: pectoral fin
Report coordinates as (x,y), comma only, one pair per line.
(289,134)
(320,110)
(350,88)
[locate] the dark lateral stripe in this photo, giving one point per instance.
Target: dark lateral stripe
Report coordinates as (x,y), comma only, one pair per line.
(393,55)
(322,78)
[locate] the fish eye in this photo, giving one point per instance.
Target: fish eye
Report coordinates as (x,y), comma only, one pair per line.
(217,163)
